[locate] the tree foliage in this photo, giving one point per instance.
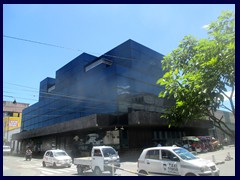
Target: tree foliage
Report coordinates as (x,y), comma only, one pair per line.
(198,74)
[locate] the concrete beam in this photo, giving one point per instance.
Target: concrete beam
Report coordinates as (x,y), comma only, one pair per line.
(75,124)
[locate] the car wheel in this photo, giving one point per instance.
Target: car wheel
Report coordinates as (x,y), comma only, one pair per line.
(54,165)
(97,171)
(69,166)
(190,174)
(44,164)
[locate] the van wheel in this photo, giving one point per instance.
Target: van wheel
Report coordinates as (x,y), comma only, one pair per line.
(97,171)
(43,164)
(113,171)
(142,173)
(79,170)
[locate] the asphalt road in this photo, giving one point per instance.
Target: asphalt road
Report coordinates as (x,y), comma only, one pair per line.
(18,166)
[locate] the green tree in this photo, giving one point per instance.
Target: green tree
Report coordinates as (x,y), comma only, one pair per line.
(198,74)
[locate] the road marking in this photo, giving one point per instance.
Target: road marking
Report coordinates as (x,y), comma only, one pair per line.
(49,170)
(45,172)
(27,166)
(66,170)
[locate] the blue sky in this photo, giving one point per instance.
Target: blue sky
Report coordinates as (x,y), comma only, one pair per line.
(94,29)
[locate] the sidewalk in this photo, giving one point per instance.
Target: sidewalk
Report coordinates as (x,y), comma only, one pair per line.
(227,154)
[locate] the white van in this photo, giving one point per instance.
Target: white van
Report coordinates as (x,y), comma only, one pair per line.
(103,158)
(174,161)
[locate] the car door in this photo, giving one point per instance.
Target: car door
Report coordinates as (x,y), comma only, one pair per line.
(51,158)
(46,157)
(152,162)
(170,163)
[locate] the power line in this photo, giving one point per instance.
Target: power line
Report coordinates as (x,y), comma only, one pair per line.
(133,68)
(62,47)
(76,99)
(83,99)
(48,44)
(20,85)
(75,110)
(79,97)
(17,97)
(37,42)
(89,108)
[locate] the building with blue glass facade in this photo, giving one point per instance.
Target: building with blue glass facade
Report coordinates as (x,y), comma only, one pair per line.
(111,99)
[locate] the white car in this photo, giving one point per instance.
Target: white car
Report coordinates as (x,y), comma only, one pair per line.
(56,158)
(6,150)
(174,161)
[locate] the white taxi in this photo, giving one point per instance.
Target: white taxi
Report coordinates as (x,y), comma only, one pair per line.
(174,161)
(56,158)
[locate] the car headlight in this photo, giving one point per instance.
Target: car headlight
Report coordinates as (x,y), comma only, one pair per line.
(204,168)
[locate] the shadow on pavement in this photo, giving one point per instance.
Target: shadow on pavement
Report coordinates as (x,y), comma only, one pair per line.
(130,155)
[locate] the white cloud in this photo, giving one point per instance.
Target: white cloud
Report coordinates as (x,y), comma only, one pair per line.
(205,26)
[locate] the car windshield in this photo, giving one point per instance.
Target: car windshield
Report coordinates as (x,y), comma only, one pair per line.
(61,153)
(107,152)
(184,154)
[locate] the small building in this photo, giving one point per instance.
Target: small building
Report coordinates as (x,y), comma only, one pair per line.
(12,117)
(114,96)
